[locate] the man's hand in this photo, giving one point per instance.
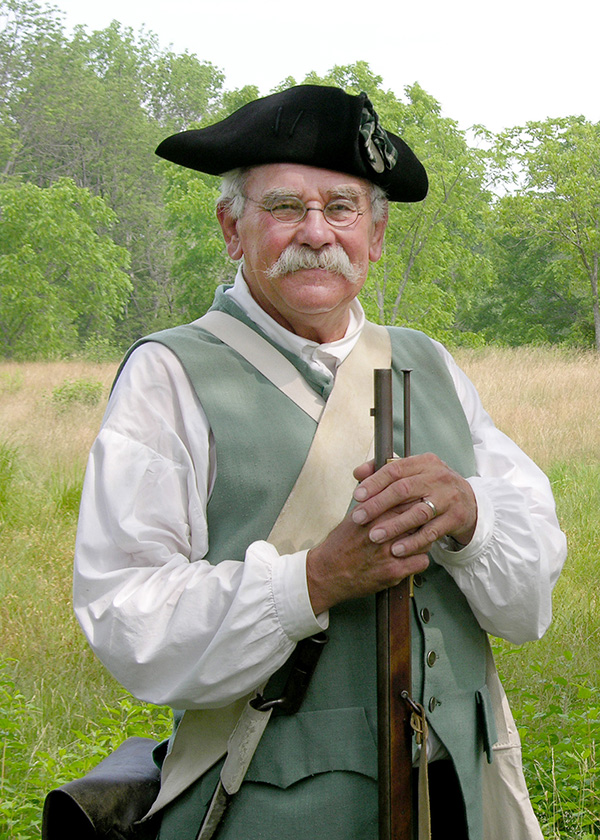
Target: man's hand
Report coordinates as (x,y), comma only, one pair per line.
(388,534)
(347,564)
(392,503)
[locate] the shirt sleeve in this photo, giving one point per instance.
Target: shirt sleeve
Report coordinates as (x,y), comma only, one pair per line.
(508,570)
(171,627)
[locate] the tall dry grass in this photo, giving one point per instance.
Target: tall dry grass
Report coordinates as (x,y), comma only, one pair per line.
(547,400)
(29,419)
(45,450)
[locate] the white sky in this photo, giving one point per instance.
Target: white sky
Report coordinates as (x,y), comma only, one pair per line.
(495,64)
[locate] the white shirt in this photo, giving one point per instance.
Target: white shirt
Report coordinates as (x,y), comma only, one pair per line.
(172,628)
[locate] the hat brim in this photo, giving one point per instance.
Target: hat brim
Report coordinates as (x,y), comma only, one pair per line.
(309,124)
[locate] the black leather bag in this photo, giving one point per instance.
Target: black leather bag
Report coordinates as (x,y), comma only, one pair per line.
(109,801)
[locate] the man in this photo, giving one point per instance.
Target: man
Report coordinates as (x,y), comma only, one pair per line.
(188,581)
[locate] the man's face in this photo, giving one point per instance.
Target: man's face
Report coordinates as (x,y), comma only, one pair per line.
(312,302)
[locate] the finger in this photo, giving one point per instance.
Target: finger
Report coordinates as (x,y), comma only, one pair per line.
(400,494)
(422,539)
(386,570)
(415,544)
(347,565)
(456,515)
(364,470)
(398,482)
(374,481)
(403,520)
(410,566)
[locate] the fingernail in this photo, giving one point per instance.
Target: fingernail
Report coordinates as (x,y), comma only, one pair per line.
(377,535)
(359,516)
(398,550)
(360,494)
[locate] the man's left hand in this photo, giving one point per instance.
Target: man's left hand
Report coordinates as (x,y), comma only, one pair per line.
(417,499)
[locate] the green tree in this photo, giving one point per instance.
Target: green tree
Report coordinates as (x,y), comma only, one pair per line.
(533,299)
(63,281)
(200,261)
(29,37)
(93,108)
(181,90)
(557,204)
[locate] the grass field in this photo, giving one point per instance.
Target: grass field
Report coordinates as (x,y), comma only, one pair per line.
(60,712)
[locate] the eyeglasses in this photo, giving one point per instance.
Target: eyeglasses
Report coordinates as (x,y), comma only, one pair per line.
(339,212)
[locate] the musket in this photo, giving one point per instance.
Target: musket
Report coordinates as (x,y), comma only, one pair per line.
(394,733)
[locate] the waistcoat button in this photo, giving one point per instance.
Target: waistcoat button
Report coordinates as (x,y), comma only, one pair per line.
(431,658)
(425,615)
(433,702)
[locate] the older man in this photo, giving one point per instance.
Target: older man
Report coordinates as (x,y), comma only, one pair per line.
(214,535)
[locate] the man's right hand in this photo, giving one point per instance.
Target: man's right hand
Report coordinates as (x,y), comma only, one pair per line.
(347,564)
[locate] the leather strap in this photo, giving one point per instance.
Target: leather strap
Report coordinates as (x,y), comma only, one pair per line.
(418,722)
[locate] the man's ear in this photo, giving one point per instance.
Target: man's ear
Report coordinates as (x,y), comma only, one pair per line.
(230,233)
(377,237)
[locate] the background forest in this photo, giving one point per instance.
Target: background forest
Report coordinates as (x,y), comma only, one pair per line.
(101,241)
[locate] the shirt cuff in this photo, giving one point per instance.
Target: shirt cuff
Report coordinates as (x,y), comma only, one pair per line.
(445,550)
(292,601)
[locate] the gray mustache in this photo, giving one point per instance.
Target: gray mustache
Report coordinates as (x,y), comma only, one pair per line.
(331,258)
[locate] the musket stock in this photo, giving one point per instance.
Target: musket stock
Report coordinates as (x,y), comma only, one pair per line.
(393,650)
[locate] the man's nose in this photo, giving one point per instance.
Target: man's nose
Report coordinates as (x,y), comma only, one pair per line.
(314,230)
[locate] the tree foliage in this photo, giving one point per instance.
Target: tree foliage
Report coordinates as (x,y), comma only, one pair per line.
(63,280)
(548,233)
(93,108)
(434,251)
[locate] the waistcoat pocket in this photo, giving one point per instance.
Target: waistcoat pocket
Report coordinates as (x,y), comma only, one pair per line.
(309,743)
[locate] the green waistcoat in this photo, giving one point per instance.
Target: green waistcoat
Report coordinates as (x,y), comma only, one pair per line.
(314,774)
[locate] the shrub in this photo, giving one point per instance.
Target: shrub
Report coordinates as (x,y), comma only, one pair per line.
(29,772)
(77,391)
(11,381)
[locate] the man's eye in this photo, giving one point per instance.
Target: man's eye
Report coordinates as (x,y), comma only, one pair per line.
(340,209)
(340,206)
(286,205)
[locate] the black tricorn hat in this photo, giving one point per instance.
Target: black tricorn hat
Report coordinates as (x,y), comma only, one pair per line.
(308,124)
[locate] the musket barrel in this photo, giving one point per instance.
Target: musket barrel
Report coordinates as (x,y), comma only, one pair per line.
(383,414)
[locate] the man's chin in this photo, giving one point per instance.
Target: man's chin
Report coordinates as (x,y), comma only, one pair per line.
(315,293)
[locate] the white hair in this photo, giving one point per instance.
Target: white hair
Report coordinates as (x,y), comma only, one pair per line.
(233,185)
(233,200)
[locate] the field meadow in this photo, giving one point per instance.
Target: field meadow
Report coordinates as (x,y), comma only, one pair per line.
(60,712)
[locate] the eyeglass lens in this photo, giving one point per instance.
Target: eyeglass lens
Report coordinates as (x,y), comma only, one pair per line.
(339,211)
